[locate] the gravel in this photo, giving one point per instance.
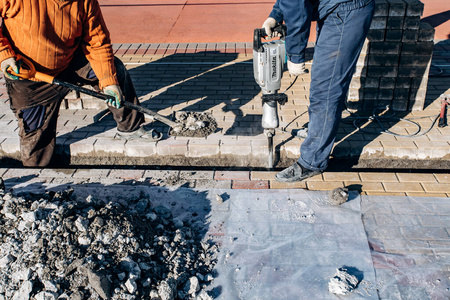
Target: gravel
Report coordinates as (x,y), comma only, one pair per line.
(53,246)
(343,282)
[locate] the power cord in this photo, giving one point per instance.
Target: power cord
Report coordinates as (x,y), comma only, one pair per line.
(302,132)
(379,119)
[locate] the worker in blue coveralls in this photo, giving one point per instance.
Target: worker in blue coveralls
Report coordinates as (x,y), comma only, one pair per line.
(342,27)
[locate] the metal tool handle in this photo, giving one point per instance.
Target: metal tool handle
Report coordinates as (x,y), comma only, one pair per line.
(30,73)
(125,103)
(259,33)
(151,113)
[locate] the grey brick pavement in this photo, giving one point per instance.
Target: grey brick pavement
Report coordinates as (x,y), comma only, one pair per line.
(222,83)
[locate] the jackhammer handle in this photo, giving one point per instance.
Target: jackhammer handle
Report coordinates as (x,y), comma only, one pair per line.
(280,28)
(261,32)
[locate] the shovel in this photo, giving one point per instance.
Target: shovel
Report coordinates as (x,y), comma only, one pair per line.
(189,124)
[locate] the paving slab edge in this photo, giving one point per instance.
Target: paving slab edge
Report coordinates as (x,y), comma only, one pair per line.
(366,183)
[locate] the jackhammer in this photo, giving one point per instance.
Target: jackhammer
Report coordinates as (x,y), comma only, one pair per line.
(268,64)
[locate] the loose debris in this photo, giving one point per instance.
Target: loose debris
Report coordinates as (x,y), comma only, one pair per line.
(219,199)
(54,247)
(195,124)
(338,196)
(343,282)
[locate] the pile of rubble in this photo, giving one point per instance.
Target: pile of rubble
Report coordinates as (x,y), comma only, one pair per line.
(55,247)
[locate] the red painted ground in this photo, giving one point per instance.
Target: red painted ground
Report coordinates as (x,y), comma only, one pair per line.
(208,21)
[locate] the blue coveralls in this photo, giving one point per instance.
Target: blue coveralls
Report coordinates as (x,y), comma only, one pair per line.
(342,27)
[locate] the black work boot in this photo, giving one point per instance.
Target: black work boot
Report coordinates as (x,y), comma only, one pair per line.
(2,186)
(296,172)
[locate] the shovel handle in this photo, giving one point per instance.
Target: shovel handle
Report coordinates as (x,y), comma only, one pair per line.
(29,72)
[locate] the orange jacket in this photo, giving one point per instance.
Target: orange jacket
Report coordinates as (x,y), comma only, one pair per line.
(49,31)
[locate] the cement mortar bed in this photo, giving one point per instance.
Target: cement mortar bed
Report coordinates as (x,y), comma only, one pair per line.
(230,161)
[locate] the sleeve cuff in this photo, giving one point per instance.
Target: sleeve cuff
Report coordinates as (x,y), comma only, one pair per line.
(7,53)
(277,15)
(296,59)
(104,82)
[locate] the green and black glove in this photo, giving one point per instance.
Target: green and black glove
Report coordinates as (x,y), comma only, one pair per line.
(15,66)
(114,90)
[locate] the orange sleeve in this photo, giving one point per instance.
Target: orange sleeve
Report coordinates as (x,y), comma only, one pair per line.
(97,45)
(6,50)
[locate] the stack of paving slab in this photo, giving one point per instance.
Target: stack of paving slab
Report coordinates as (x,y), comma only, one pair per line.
(392,69)
(395,61)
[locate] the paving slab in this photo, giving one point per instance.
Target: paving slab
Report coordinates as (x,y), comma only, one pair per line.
(409,245)
(86,135)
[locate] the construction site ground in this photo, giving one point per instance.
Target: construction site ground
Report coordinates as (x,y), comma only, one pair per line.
(403,182)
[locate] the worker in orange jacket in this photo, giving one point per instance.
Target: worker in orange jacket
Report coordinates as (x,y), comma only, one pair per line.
(67,39)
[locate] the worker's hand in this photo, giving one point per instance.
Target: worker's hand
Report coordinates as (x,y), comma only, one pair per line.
(268,25)
(296,69)
(15,66)
(114,90)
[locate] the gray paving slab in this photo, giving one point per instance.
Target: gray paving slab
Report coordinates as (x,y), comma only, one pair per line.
(410,246)
(225,86)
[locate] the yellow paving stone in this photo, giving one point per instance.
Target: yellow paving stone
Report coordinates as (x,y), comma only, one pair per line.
(399,144)
(402,187)
(385,137)
(431,144)
(443,178)
(324,186)
(274,184)
(366,186)
(260,175)
(416,177)
(318,177)
(385,194)
(436,187)
(425,194)
(340,176)
(378,177)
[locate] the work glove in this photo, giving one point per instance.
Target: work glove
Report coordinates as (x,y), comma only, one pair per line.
(15,66)
(269,24)
(296,69)
(114,90)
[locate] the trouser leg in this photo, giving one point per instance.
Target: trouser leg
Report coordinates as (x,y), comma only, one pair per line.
(36,107)
(127,119)
(80,72)
(341,36)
